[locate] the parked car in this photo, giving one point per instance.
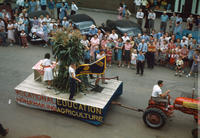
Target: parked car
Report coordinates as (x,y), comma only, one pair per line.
(123,26)
(82,22)
(34,39)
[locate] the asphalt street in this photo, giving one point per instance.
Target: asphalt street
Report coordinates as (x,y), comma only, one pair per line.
(16,64)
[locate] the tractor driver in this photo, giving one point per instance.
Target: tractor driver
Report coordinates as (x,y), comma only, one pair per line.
(157,94)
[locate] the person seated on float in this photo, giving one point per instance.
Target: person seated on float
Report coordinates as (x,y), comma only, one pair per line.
(157,94)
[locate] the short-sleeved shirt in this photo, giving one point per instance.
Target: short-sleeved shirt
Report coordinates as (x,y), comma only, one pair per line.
(164,18)
(113,36)
(46,62)
(125,38)
(127,46)
(179,62)
(156,91)
(43,2)
(71,71)
(99,56)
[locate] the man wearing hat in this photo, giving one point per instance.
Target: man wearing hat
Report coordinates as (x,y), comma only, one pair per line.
(184,41)
(164,19)
(65,22)
(93,30)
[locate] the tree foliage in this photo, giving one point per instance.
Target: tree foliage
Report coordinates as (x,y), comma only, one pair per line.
(68,49)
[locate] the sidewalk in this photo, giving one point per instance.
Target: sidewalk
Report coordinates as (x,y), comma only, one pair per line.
(100,16)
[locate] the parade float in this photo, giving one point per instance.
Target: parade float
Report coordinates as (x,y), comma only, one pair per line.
(92,101)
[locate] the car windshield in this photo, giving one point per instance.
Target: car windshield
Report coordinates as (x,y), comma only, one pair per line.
(84,25)
(132,31)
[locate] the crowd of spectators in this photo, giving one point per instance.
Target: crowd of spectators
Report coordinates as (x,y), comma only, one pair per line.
(156,48)
(16,25)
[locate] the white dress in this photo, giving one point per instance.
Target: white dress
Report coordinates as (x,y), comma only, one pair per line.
(133,58)
(48,73)
(11,33)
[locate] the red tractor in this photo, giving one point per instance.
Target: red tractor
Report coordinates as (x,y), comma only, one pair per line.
(156,113)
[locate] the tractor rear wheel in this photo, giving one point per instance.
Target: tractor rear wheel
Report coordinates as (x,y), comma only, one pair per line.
(154,118)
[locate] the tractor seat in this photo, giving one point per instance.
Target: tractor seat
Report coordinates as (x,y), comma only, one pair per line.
(158,102)
(188,102)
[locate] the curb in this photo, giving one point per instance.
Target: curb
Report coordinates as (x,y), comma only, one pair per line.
(99,10)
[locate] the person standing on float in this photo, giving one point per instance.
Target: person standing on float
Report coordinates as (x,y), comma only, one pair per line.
(72,81)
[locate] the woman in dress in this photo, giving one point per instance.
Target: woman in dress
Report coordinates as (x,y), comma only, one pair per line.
(11,36)
(48,73)
(94,43)
(104,42)
(119,47)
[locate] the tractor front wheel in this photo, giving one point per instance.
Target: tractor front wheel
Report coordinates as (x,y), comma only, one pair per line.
(154,118)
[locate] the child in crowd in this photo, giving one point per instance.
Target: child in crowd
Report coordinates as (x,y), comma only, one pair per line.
(48,73)
(109,56)
(172,59)
(24,39)
(96,52)
(140,63)
(133,58)
(178,49)
(179,66)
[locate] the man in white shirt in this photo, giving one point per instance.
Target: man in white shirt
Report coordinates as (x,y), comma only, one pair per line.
(74,8)
(113,35)
(72,81)
(138,4)
(139,17)
(125,37)
(157,94)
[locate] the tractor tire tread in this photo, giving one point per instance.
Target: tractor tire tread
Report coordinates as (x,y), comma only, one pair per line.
(156,110)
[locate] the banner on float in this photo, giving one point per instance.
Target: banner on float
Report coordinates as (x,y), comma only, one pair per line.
(97,67)
(68,108)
